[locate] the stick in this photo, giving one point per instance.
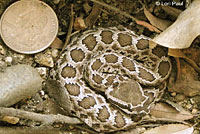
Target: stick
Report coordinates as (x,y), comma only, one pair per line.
(70,28)
(93,16)
(68,32)
(115,9)
(43,118)
(34,130)
(139,22)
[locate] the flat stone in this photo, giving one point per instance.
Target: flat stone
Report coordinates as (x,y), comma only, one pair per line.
(18,82)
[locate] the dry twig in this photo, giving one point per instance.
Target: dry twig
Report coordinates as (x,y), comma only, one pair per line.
(139,22)
(92,18)
(43,118)
(178,64)
(115,9)
(34,130)
(69,30)
(86,129)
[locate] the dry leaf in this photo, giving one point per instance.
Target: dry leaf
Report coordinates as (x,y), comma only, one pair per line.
(157,22)
(174,12)
(152,44)
(55,90)
(171,129)
(178,107)
(188,82)
(176,53)
(185,131)
(165,111)
(147,25)
(57,43)
(184,30)
(179,53)
(193,53)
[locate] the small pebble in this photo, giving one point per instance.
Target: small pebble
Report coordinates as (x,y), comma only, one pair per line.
(8,60)
(83,132)
(79,1)
(42,71)
(10,119)
(71,127)
(45,96)
(192,101)
(44,58)
(42,93)
(57,125)
(188,106)
(79,24)
(196,132)
(173,94)
(19,56)
(55,53)
(142,130)
(181,103)
(194,111)
(56,1)
(2,50)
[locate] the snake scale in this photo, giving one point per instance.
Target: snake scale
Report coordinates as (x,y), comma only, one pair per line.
(111,74)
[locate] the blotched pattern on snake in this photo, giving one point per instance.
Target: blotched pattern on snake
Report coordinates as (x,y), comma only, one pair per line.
(110,75)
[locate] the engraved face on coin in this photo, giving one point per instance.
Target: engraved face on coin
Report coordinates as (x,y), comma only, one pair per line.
(28,26)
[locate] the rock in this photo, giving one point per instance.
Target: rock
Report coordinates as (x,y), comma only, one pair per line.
(173,94)
(10,119)
(55,53)
(192,101)
(56,1)
(42,71)
(18,82)
(18,56)
(79,24)
(2,50)
(8,60)
(197,100)
(188,106)
(194,111)
(44,58)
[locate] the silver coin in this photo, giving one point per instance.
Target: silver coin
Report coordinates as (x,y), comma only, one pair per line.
(28,26)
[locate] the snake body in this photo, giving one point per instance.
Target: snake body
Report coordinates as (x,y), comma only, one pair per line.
(110,75)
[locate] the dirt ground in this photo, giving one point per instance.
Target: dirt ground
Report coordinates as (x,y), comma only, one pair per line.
(42,103)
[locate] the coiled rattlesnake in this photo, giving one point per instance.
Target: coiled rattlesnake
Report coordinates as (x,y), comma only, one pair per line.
(110,75)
